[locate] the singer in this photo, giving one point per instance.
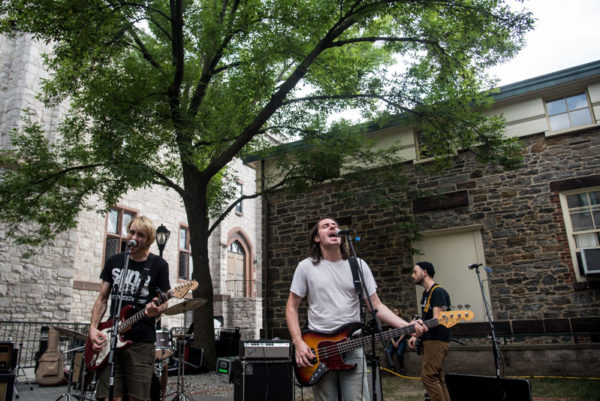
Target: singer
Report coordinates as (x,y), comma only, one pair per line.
(146,272)
(325,279)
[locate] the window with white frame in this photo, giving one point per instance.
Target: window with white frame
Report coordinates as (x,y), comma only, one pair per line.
(568,112)
(184,253)
(582,215)
(117,220)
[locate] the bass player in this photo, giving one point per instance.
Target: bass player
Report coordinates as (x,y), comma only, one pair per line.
(146,273)
(326,280)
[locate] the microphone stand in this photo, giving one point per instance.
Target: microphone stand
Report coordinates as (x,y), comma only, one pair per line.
(115,324)
(373,358)
(495,347)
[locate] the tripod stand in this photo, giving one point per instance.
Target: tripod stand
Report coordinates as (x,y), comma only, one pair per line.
(180,391)
(18,370)
(68,394)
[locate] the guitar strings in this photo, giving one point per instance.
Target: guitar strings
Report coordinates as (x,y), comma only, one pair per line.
(345,346)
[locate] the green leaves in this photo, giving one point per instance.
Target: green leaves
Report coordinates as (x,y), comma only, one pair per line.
(169,92)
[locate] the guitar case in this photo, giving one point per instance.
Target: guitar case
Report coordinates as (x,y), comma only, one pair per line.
(50,371)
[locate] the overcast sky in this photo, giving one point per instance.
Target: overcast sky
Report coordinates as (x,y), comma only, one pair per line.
(566,34)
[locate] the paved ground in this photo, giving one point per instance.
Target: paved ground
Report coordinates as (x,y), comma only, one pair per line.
(201,387)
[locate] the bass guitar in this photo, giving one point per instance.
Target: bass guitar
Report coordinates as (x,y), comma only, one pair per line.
(329,347)
(96,359)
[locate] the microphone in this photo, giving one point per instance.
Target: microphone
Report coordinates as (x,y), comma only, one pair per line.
(341,233)
(131,243)
(474,265)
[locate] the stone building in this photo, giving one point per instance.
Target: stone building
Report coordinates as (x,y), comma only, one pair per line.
(60,282)
(536,227)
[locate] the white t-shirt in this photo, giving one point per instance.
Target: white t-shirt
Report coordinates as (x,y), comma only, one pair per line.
(329,288)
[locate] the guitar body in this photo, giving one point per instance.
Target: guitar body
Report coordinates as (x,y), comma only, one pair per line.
(329,347)
(94,360)
(328,356)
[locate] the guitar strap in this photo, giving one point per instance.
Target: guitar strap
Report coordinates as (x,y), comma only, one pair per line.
(428,303)
(145,273)
(355,278)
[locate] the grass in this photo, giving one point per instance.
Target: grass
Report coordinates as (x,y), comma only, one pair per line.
(396,388)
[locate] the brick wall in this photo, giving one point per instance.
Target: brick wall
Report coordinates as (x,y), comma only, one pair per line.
(523,231)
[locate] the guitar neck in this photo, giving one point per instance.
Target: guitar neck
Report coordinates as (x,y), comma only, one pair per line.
(363,341)
(139,315)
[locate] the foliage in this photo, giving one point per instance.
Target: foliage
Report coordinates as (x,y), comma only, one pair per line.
(169,92)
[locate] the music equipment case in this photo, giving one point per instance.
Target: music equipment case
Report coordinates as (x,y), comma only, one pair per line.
(476,388)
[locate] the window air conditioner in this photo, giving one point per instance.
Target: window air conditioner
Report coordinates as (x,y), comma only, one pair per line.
(591,260)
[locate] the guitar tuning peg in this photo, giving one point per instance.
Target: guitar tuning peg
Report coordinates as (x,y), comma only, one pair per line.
(467,306)
(459,306)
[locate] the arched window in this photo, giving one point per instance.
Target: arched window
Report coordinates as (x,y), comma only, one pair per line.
(236,268)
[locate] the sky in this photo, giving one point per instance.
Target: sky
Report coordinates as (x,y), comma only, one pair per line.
(566,34)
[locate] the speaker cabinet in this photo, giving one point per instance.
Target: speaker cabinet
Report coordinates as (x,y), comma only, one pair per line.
(263,380)
(477,388)
(7,381)
(6,357)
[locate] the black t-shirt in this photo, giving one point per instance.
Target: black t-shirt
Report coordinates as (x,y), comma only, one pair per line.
(439,298)
(144,330)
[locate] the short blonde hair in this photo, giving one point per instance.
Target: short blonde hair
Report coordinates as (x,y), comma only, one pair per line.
(145,224)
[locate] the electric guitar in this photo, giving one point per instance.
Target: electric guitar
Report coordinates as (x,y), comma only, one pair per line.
(329,347)
(96,359)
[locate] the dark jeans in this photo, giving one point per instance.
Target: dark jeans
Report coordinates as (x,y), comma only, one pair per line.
(390,350)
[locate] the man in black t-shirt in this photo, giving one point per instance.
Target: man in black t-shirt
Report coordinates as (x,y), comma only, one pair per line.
(436,341)
(146,273)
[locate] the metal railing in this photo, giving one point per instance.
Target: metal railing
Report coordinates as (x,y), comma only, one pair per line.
(30,337)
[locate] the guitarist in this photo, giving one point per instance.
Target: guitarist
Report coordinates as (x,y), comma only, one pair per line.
(326,280)
(436,342)
(146,273)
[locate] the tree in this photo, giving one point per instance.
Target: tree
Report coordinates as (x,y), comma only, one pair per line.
(169,92)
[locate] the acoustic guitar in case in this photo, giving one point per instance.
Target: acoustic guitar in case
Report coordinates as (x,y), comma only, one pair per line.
(50,371)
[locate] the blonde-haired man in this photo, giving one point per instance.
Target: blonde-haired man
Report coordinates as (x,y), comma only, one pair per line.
(146,273)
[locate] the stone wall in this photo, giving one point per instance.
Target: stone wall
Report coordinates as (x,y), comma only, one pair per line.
(21,74)
(523,231)
(38,288)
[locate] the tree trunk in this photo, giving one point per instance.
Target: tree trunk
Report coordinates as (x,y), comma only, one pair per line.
(204,333)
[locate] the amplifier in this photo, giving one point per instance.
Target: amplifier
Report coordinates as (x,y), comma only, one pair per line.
(265,349)
(264,380)
(6,354)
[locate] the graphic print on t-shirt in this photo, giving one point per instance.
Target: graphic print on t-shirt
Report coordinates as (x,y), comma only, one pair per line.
(131,284)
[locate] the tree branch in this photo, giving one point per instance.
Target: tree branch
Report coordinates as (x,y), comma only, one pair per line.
(145,53)
(346,97)
(345,42)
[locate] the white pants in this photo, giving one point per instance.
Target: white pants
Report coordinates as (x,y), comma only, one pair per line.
(353,383)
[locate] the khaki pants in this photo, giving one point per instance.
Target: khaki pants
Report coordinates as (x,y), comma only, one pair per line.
(434,354)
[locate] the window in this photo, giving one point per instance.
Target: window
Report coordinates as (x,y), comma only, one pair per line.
(568,112)
(239,193)
(236,267)
(184,253)
(117,220)
(583,223)
(422,149)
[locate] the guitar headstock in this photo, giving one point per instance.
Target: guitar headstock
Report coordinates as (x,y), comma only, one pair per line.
(182,289)
(452,317)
